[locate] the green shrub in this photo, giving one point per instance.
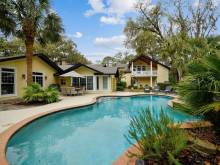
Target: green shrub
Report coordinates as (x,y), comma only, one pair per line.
(135,87)
(163,85)
(51,95)
(155,139)
(141,86)
(34,93)
(120,88)
(121,85)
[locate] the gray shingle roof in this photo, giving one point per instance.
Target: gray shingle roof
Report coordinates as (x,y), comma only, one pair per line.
(103,69)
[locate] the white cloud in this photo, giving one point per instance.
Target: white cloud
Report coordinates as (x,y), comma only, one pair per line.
(114,42)
(114,10)
(111,20)
(78,35)
(97,7)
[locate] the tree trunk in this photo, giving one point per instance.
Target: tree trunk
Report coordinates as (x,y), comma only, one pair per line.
(29,42)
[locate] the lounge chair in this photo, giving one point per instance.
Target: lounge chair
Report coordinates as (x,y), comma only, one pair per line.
(168,89)
(157,88)
(146,89)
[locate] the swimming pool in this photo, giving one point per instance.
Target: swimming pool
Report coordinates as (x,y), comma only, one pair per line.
(91,135)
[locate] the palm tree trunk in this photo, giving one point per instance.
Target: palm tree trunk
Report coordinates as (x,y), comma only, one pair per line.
(29,42)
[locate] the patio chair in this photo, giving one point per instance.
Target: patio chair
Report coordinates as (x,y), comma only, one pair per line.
(63,91)
(168,89)
(73,91)
(157,88)
(146,89)
(82,91)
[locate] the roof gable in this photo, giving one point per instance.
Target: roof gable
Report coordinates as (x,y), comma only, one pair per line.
(41,56)
(147,59)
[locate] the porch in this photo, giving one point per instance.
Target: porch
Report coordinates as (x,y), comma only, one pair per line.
(88,83)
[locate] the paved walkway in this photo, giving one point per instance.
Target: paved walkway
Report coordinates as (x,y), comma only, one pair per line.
(10,117)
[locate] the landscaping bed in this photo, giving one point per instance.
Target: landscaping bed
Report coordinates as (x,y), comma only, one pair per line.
(206,133)
(195,154)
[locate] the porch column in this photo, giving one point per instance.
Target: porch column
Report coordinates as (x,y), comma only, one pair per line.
(151,73)
(132,66)
(94,83)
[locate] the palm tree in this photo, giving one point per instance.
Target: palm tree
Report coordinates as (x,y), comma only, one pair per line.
(30,20)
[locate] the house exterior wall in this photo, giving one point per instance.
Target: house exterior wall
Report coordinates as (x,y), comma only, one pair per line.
(127,78)
(20,69)
(85,71)
(89,72)
(162,74)
(142,81)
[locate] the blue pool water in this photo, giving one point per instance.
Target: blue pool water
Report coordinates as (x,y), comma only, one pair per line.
(92,135)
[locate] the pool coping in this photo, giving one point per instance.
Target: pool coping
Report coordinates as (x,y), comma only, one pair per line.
(7,134)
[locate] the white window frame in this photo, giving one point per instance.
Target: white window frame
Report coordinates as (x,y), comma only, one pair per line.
(15,82)
(92,82)
(39,76)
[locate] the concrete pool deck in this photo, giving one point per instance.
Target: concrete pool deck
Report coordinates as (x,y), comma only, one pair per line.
(13,120)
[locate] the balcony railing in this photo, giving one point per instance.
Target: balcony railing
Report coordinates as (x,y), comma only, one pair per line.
(144,73)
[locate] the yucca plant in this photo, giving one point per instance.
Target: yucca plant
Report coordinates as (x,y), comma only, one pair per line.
(156,138)
(33,93)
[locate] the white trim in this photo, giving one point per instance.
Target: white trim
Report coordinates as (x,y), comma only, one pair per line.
(43,78)
(94,83)
(15,82)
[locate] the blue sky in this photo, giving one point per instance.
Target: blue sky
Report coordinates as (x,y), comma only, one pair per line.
(95,39)
(96,26)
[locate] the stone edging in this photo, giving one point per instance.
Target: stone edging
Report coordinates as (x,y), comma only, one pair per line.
(7,134)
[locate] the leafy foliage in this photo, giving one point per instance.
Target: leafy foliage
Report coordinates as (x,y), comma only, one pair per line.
(156,138)
(175,32)
(34,93)
(51,95)
(200,89)
(121,85)
(120,57)
(65,49)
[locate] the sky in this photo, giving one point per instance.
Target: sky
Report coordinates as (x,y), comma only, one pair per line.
(96,26)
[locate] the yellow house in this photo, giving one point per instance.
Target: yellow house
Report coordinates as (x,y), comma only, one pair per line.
(13,74)
(95,78)
(144,70)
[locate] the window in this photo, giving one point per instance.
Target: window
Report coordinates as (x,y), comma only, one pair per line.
(105,82)
(143,68)
(134,68)
(89,82)
(62,82)
(7,81)
(82,82)
(78,82)
(75,82)
(38,78)
(138,68)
